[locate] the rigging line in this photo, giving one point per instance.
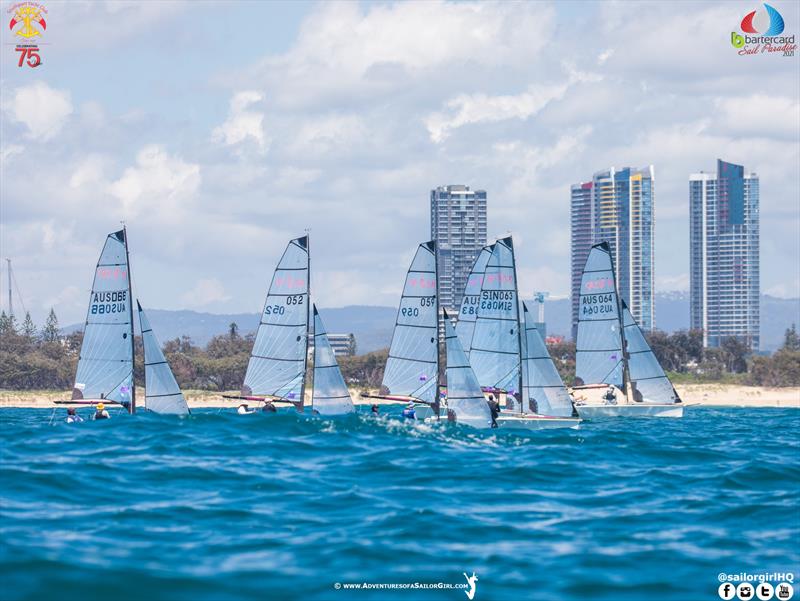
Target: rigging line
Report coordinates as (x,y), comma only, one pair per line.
(19,294)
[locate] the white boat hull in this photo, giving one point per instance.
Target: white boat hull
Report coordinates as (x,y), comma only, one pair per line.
(536,422)
(630,410)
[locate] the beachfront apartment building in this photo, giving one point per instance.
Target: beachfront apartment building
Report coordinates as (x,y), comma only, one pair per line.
(458,225)
(724,285)
(617,206)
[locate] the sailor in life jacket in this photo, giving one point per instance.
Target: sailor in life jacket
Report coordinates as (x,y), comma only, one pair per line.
(409,413)
(243,409)
(72,417)
(100,412)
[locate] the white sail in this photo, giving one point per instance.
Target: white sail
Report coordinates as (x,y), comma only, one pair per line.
(649,383)
(543,390)
(413,363)
(464,395)
(105,363)
(599,344)
(472,295)
(162,393)
(277,364)
(329,395)
(495,348)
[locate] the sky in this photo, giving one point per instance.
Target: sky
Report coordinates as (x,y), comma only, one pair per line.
(217,131)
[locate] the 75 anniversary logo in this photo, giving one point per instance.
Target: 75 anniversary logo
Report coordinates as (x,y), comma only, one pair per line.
(28,25)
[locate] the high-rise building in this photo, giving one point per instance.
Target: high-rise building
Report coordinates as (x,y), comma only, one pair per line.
(617,207)
(458,224)
(724,253)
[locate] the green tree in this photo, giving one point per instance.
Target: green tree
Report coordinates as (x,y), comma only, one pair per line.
(734,355)
(791,341)
(50,331)
(233,331)
(29,328)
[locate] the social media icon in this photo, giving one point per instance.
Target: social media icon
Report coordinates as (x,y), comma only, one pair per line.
(764,591)
(726,591)
(745,591)
(784,591)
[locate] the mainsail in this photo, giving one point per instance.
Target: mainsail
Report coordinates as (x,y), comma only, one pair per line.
(162,393)
(464,395)
(413,364)
(277,364)
(105,363)
(472,295)
(329,395)
(495,348)
(598,357)
(649,383)
(541,381)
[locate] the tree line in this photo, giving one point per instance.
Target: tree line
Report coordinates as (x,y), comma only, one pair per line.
(34,358)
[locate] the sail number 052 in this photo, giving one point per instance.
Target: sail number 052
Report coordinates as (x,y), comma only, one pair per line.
(292,299)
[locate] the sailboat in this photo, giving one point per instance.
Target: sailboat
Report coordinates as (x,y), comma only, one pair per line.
(412,368)
(545,402)
(161,391)
(465,326)
(276,372)
(106,360)
(507,355)
(616,372)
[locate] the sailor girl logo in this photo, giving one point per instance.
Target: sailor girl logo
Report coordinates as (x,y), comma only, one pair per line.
(767,26)
(28,24)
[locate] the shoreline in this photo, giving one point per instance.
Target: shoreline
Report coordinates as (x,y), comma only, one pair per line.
(707,395)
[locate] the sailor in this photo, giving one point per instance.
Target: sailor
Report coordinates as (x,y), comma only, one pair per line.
(409,412)
(100,412)
(494,408)
(610,396)
(243,409)
(269,407)
(533,405)
(72,417)
(374,410)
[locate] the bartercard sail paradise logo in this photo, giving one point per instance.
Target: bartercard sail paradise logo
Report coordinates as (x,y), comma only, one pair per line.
(28,25)
(767,26)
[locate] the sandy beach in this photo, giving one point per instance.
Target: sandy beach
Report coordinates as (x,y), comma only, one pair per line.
(712,395)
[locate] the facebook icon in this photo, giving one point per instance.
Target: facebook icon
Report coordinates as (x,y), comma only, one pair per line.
(726,591)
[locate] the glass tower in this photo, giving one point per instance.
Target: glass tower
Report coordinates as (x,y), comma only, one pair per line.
(458,224)
(617,207)
(724,254)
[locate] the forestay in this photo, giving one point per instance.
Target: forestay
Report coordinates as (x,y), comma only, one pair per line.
(472,295)
(464,395)
(495,348)
(329,395)
(413,363)
(277,364)
(105,363)
(162,393)
(542,386)
(649,383)
(598,357)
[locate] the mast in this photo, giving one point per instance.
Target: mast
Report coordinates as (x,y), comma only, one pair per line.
(519,333)
(626,376)
(436,400)
(308,331)
(132,408)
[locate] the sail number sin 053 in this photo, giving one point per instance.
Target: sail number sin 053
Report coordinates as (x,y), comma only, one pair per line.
(424,301)
(597,304)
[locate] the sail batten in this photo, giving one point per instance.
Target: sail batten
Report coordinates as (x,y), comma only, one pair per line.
(413,363)
(162,393)
(495,346)
(277,365)
(330,395)
(105,361)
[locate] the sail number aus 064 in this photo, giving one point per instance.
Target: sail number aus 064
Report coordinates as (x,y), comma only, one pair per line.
(595,304)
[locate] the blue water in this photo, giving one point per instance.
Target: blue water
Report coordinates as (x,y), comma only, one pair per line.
(219,506)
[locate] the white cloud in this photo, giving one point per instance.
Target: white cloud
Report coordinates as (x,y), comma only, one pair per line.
(243,123)
(157,182)
(42,109)
(205,292)
(668,283)
(759,115)
(8,151)
(480,108)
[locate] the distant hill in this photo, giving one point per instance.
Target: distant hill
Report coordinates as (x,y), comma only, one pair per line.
(372,326)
